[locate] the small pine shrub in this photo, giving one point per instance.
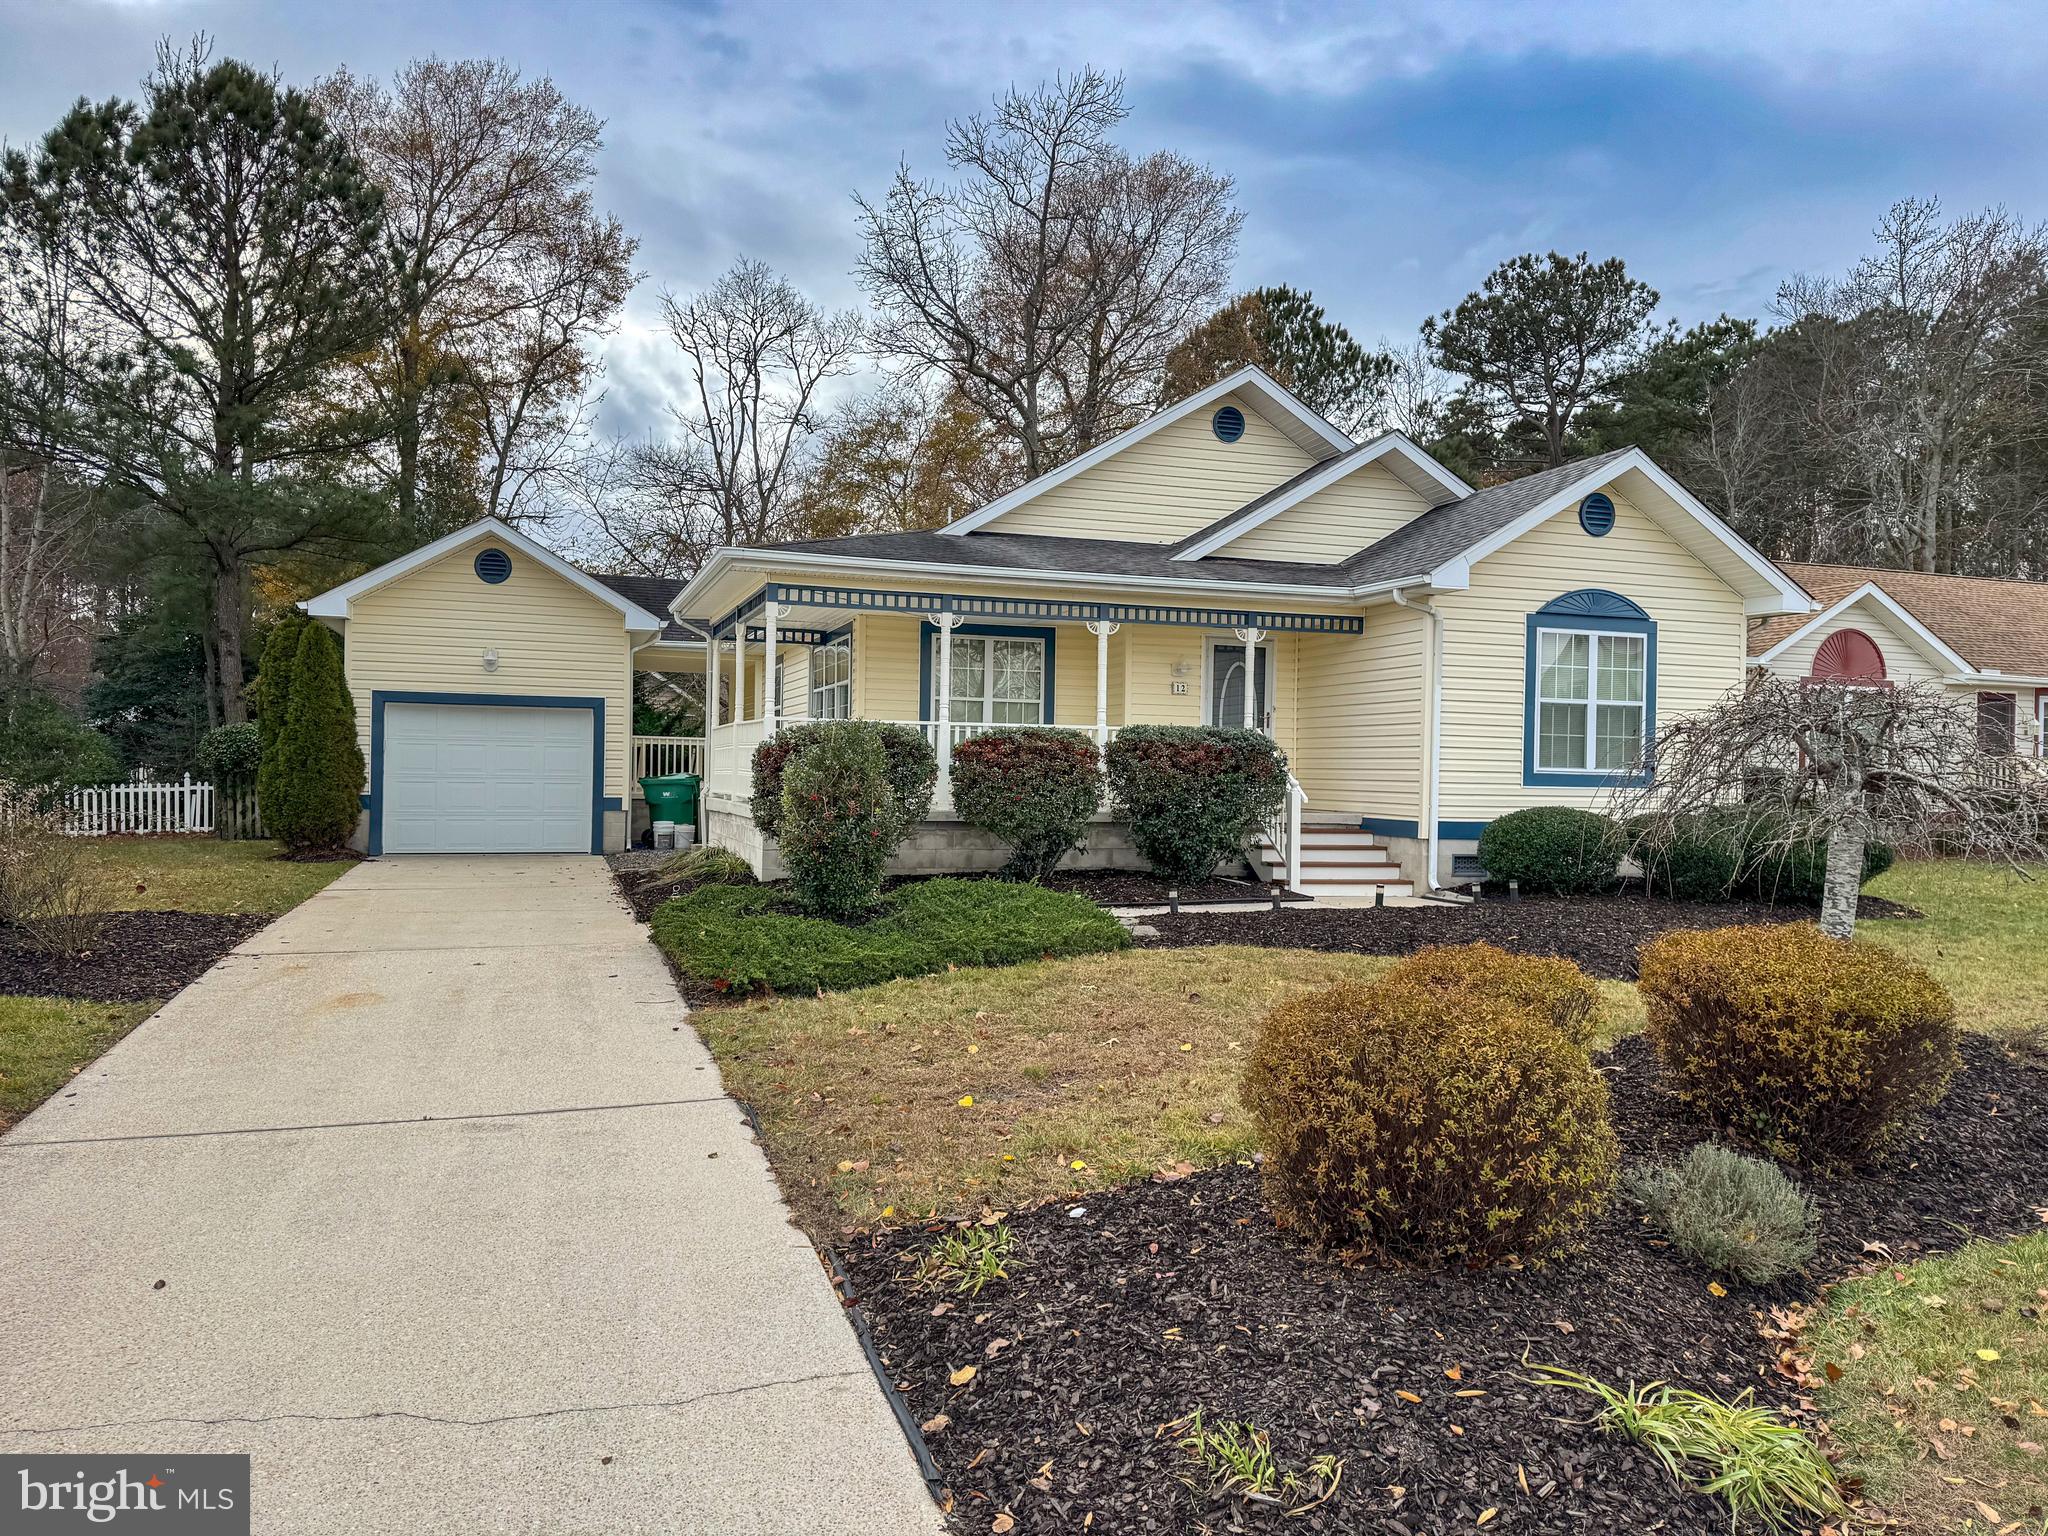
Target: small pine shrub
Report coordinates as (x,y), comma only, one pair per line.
(318,785)
(1428,1128)
(1193,794)
(1543,986)
(912,768)
(840,820)
(1033,789)
(1737,1215)
(1816,1050)
(1553,850)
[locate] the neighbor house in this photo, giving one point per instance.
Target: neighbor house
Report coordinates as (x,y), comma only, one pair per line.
(1978,636)
(1429,656)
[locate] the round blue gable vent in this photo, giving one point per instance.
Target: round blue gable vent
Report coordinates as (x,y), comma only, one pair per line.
(1228,423)
(493,565)
(1596,515)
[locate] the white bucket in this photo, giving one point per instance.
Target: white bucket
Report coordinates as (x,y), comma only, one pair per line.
(664,834)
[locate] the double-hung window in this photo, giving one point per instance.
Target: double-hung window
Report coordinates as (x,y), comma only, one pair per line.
(1592,698)
(997,679)
(832,679)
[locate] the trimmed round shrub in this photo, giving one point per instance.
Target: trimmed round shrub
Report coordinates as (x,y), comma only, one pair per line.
(316,761)
(840,820)
(1738,1215)
(1798,873)
(1545,987)
(1553,849)
(1193,794)
(913,768)
(1420,1127)
(1698,858)
(1816,1050)
(229,755)
(1034,789)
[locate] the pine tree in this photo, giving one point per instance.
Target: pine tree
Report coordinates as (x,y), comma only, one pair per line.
(319,763)
(273,701)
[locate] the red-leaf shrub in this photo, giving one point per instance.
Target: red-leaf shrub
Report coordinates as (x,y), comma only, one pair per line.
(1194,793)
(913,768)
(1035,789)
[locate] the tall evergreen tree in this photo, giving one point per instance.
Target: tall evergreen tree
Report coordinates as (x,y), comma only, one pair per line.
(274,684)
(218,250)
(1286,332)
(318,784)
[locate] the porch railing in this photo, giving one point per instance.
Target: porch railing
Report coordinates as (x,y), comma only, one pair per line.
(1284,830)
(964,730)
(654,756)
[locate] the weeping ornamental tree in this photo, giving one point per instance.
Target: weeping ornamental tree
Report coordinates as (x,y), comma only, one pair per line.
(1783,764)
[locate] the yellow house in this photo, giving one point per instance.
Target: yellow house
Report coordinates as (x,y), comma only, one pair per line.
(1429,656)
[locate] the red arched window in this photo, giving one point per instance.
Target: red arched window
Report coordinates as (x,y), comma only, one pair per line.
(1848,656)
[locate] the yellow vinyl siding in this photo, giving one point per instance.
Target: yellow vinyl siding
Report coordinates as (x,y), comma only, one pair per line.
(1903,661)
(427,631)
(1701,646)
(1362,721)
(1160,490)
(1335,523)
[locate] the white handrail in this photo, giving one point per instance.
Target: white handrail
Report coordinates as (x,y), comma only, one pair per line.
(655,756)
(1284,831)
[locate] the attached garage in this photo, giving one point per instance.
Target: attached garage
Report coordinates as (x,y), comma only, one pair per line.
(496,777)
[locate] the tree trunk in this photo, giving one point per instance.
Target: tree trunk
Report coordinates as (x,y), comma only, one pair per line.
(228,604)
(1844,877)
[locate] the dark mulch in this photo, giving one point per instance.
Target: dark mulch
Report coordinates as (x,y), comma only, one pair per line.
(1166,1297)
(1601,933)
(643,899)
(139,956)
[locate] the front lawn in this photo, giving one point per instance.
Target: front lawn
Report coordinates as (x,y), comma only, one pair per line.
(1124,1064)
(44,1041)
(1939,1396)
(739,939)
(204,874)
(1985,936)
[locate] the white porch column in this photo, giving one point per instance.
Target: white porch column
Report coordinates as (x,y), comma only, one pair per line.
(739,673)
(1101,629)
(714,673)
(943,714)
(769,702)
(1251,638)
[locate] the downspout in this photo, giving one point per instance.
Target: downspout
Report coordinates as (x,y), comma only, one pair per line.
(1432,760)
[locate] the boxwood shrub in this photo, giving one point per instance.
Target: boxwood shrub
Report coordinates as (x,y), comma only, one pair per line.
(1553,850)
(743,939)
(1544,986)
(1422,1126)
(840,820)
(913,768)
(1816,1050)
(1193,794)
(1034,789)
(1797,874)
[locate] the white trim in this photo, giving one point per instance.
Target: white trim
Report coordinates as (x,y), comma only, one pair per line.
(1892,609)
(1592,702)
(1254,379)
(334,602)
(1790,596)
(1391,442)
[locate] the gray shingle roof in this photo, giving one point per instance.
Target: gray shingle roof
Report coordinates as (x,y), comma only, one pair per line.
(654,593)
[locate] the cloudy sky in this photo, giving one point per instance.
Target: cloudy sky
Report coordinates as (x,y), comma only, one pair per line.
(1386,155)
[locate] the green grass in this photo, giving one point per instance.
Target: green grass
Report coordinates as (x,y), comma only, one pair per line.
(1933,1381)
(45,1040)
(204,874)
(1984,935)
(742,939)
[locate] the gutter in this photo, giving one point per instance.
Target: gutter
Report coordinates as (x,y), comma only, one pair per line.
(1432,766)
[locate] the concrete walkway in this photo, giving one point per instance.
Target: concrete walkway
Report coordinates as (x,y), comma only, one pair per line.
(455,1231)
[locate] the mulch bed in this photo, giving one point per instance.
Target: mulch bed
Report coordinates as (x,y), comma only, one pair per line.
(1165,1297)
(139,956)
(1601,933)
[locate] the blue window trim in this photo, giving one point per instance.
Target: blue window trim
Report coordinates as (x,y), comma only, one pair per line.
(600,802)
(927,630)
(1602,613)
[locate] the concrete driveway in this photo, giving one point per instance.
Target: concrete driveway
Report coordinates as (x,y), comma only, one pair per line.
(428,1197)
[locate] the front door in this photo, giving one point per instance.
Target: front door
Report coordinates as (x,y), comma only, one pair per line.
(1226,687)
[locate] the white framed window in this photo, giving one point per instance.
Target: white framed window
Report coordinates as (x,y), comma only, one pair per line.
(832,679)
(1591,697)
(997,679)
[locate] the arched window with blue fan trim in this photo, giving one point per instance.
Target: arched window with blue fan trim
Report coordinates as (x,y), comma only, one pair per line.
(1589,710)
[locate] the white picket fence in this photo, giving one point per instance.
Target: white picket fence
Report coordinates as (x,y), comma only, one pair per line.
(141,806)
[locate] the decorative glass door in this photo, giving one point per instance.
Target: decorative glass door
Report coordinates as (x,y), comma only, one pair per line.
(1226,687)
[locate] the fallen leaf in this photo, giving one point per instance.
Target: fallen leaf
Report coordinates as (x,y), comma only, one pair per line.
(1834,1371)
(1407,1397)
(1003,1522)
(1987,1355)
(935,1423)
(995,1347)
(1077,1165)
(1454,1373)
(967,1101)
(1716,1288)
(1485,1515)
(961,1377)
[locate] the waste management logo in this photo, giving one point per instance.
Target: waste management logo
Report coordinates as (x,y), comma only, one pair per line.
(145,1495)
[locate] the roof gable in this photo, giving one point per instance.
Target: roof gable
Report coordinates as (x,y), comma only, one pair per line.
(1308,439)
(1390,455)
(334,603)
(1986,626)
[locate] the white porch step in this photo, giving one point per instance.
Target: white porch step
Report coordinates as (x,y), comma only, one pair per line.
(1336,861)
(1390,888)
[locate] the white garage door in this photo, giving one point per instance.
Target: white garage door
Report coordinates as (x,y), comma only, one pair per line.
(471,778)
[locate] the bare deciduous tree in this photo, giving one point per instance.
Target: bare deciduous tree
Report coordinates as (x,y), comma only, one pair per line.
(47,523)
(1785,762)
(1049,283)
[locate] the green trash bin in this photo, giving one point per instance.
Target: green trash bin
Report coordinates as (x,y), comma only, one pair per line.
(672,797)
